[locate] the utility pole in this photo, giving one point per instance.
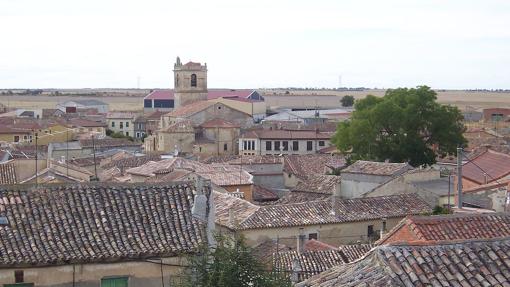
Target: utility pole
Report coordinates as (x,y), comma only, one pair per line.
(94,152)
(36,172)
(459,177)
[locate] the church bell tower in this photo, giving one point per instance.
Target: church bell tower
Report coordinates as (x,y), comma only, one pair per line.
(190,83)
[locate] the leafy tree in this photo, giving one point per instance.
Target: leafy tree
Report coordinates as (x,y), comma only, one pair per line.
(347,101)
(406,125)
(230,264)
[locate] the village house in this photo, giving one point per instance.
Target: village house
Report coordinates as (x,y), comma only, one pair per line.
(267,142)
(296,168)
(487,167)
(121,122)
(363,176)
(140,127)
(216,137)
(90,243)
(493,196)
(333,221)
(84,128)
(72,106)
(496,114)
(426,229)
(428,183)
(267,170)
(179,137)
(24,131)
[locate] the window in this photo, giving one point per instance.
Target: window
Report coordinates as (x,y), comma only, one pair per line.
(277,145)
(245,145)
(253,145)
(269,145)
(113,124)
(163,103)
(121,125)
(370,231)
(312,236)
(225,147)
(127,134)
(285,145)
(295,145)
(193,80)
(147,103)
(137,135)
(19,276)
(127,124)
(321,143)
(16,139)
(309,145)
(114,282)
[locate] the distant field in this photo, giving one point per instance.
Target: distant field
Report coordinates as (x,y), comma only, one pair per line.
(132,99)
(462,99)
(118,103)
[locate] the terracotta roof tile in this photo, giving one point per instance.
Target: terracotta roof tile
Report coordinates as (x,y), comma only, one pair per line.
(8,173)
(321,211)
(135,161)
(298,197)
(310,262)
(263,194)
(325,184)
(353,252)
(450,227)
(218,123)
(304,165)
(472,263)
(96,223)
(377,168)
(190,109)
(495,164)
(315,245)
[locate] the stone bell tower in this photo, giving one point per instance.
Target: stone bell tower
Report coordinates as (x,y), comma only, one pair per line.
(190,83)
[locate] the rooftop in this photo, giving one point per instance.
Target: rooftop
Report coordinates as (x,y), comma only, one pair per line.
(321,211)
(304,165)
(95,223)
(8,173)
(325,184)
(450,227)
(468,263)
(218,123)
(377,168)
(495,164)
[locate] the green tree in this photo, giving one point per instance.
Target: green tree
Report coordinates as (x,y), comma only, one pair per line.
(230,264)
(347,101)
(406,125)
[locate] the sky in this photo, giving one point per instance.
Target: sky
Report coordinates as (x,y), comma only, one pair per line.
(256,44)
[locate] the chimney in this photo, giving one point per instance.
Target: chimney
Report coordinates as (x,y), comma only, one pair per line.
(383,227)
(300,241)
(296,270)
(459,177)
(203,208)
(333,205)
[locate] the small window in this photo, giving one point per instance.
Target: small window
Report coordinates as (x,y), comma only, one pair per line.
(137,135)
(127,134)
(16,139)
(309,145)
(193,80)
(114,282)
(295,145)
(225,147)
(127,124)
(121,125)
(277,145)
(269,145)
(321,143)
(370,231)
(113,124)
(245,145)
(312,236)
(19,276)
(285,145)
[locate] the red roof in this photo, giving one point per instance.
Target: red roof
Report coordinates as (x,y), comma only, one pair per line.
(487,167)
(449,227)
(218,123)
(236,95)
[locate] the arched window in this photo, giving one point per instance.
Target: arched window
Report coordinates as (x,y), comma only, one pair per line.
(193,80)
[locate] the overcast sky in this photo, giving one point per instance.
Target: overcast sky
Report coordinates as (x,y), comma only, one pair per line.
(255,44)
